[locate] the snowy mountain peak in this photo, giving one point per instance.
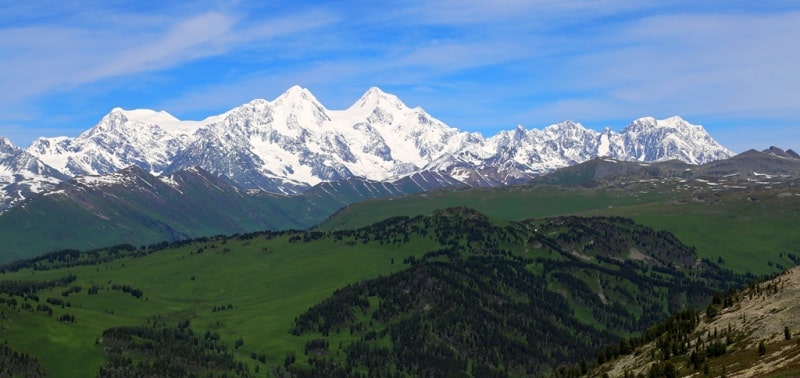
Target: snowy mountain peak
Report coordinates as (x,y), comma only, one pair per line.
(299,107)
(649,139)
(6,145)
(296,95)
(649,123)
(674,124)
(376,98)
(568,127)
(257,105)
(676,119)
(568,124)
(520,133)
(147,116)
(109,122)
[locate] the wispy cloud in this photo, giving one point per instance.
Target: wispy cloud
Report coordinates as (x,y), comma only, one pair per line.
(192,38)
(704,64)
(478,65)
(50,57)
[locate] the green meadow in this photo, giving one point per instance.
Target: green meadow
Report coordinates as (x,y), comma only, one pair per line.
(267,283)
(751,231)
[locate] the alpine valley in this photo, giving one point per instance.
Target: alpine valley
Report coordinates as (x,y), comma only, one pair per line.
(283,239)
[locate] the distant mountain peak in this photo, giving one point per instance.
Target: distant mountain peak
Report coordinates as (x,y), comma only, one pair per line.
(119,118)
(6,144)
(674,119)
(520,132)
(640,124)
(147,116)
(649,123)
(568,124)
(776,151)
(296,90)
(295,95)
(374,97)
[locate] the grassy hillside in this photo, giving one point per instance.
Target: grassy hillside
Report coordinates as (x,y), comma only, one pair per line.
(552,291)
(747,231)
(745,227)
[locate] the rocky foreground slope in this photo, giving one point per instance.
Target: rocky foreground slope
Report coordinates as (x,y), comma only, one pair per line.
(751,333)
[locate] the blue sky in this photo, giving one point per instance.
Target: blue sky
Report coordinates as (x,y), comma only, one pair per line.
(476,65)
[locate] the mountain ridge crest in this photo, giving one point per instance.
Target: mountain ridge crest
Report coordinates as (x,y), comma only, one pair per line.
(293,142)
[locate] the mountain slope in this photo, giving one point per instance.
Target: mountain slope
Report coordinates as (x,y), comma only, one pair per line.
(772,164)
(293,142)
(133,206)
(596,171)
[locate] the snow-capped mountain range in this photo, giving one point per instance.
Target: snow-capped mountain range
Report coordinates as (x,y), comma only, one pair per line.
(293,142)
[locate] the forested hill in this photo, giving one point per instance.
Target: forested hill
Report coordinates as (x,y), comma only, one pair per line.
(506,298)
(453,293)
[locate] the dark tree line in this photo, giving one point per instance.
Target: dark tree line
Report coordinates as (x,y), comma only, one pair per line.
(167,352)
(73,257)
(128,289)
(26,288)
(14,364)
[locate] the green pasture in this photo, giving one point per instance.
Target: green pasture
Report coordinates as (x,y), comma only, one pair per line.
(751,231)
(267,283)
(512,203)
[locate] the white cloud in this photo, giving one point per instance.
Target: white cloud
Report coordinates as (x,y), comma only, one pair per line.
(525,14)
(197,36)
(705,64)
(506,62)
(710,63)
(41,58)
